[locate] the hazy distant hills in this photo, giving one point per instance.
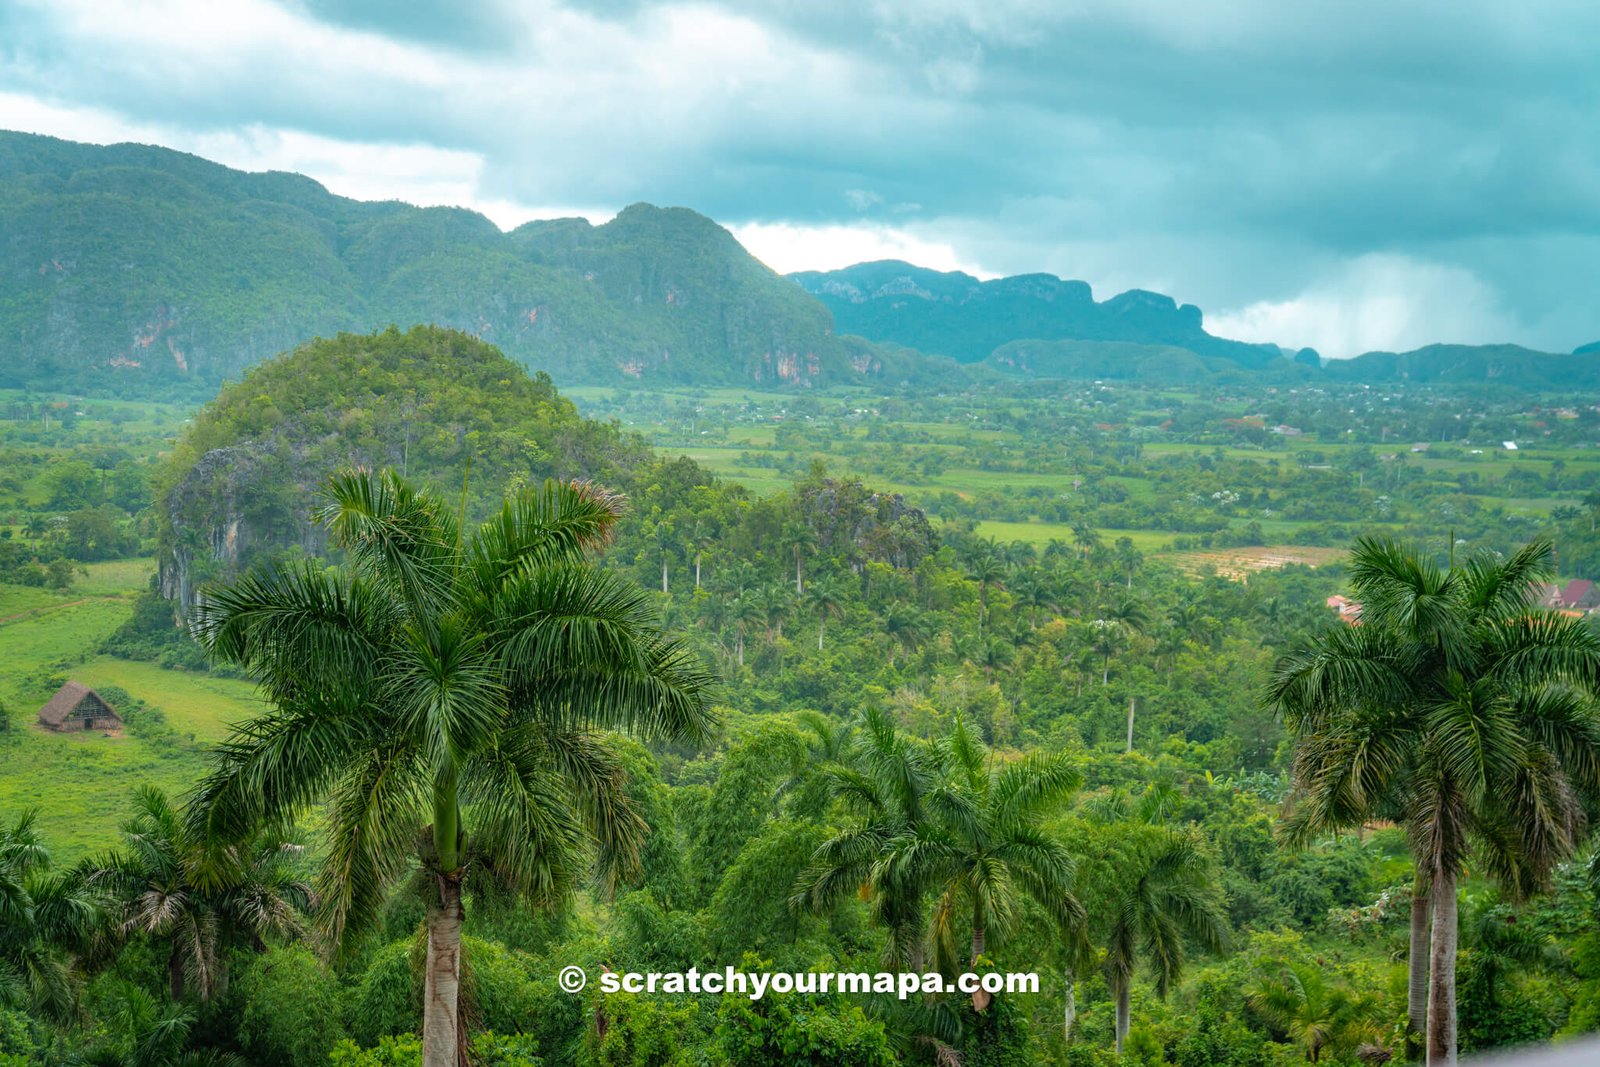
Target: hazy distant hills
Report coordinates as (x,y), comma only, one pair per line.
(955,314)
(130,266)
(1039,326)
(147,271)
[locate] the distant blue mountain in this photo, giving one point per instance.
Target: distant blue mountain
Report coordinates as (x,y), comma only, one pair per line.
(953,314)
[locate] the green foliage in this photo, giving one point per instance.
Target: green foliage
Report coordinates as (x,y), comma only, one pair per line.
(290,1013)
(387,999)
(235,266)
(781,1029)
(635,1030)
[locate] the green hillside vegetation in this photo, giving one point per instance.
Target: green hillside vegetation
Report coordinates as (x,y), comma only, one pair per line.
(238,484)
(134,270)
(955,314)
(1027,583)
(137,271)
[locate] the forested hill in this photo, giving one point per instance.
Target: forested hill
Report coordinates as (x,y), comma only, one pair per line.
(139,269)
(957,315)
(1040,326)
(236,487)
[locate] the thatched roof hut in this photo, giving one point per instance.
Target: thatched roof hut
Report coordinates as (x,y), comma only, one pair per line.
(77,707)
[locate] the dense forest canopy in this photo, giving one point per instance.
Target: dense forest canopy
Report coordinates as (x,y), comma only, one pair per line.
(875,638)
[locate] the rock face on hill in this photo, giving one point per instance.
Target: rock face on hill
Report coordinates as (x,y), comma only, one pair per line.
(139,268)
(957,315)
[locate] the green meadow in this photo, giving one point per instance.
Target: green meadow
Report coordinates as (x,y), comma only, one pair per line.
(80,783)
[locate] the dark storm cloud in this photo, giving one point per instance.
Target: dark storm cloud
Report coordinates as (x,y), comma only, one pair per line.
(1276,160)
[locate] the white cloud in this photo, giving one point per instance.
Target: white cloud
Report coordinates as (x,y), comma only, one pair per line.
(419,174)
(787,247)
(1375,302)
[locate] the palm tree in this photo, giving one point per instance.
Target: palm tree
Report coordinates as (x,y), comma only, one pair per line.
(882,780)
(801,540)
(1033,593)
(943,820)
(442,696)
(827,595)
(166,889)
(1128,613)
(1298,1000)
(46,918)
(1085,537)
(986,843)
(738,578)
(1128,558)
(141,1032)
(986,570)
(663,539)
(1167,896)
(742,610)
(906,625)
(1109,639)
(699,536)
(1462,707)
(774,603)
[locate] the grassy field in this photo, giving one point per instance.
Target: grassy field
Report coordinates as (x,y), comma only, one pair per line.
(195,704)
(81,783)
(1040,534)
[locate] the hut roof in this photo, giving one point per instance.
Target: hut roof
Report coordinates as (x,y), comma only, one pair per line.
(68,699)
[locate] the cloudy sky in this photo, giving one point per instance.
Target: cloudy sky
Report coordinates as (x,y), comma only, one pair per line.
(1349,175)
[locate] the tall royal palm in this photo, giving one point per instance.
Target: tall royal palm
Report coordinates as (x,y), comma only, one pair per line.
(1462,708)
(985,847)
(442,695)
(1165,893)
(882,779)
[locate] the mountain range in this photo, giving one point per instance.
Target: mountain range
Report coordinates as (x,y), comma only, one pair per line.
(145,271)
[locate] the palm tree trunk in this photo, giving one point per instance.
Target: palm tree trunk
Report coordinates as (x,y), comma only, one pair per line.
(175,972)
(663,574)
(1069,1014)
(1130,724)
(799,588)
(1123,1011)
(1417,988)
(697,570)
(441,1039)
(822,624)
(977,942)
(1442,973)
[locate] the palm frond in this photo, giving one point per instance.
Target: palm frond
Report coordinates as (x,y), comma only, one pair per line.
(373,819)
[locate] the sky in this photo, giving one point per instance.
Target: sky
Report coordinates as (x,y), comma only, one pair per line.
(1347,175)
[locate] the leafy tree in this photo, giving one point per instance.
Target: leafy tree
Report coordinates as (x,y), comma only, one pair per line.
(290,1010)
(780,1029)
(442,693)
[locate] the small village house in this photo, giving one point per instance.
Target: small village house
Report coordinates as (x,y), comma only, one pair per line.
(77,707)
